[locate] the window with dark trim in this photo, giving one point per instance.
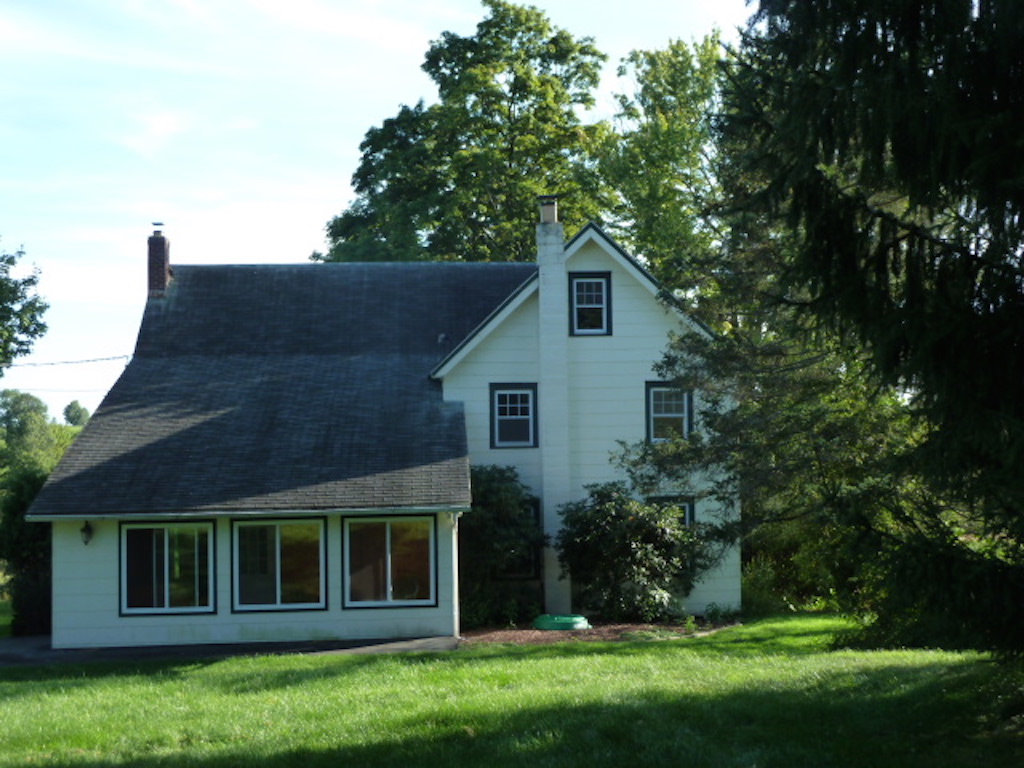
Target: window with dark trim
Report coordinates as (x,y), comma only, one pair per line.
(513,415)
(390,562)
(279,565)
(669,412)
(686,505)
(590,303)
(167,568)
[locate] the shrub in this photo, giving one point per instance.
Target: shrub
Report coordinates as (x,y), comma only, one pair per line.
(499,550)
(631,560)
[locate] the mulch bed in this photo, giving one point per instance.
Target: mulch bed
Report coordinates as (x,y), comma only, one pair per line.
(527,635)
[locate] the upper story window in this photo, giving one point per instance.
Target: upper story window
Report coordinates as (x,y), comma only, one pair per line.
(669,412)
(590,303)
(167,568)
(513,415)
(685,504)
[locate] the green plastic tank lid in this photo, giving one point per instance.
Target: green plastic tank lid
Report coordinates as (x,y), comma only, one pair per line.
(561,621)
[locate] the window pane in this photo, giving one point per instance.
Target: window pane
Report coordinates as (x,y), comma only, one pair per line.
(590,293)
(188,572)
(514,431)
(668,428)
(410,560)
(668,413)
(589,305)
(367,551)
(144,567)
(513,417)
(257,565)
(167,567)
(300,563)
(589,319)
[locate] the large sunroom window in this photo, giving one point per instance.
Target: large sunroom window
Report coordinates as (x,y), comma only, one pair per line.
(279,565)
(167,568)
(390,562)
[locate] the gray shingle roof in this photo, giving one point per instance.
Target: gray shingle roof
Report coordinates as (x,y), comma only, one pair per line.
(298,387)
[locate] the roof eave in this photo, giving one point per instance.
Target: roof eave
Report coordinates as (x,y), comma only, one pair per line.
(526,289)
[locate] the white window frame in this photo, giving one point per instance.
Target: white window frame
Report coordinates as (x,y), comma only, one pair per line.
(431,601)
(277,605)
(497,419)
(604,304)
(686,415)
(206,527)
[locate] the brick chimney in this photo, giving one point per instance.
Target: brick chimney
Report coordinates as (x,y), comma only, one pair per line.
(159,263)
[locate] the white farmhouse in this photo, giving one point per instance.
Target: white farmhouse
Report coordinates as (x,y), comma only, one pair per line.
(287,455)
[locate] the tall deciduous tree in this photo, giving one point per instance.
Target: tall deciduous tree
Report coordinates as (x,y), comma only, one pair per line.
(459,179)
(30,447)
(662,165)
(76,414)
(21,310)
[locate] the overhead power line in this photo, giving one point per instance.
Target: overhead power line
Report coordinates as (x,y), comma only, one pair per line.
(70,362)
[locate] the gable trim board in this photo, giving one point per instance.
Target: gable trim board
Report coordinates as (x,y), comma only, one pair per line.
(347,392)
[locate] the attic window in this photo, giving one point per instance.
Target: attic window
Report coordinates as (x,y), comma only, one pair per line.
(590,302)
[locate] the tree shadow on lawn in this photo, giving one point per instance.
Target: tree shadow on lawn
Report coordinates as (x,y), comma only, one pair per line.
(899,716)
(268,671)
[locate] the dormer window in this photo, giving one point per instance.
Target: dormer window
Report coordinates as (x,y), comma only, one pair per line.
(590,302)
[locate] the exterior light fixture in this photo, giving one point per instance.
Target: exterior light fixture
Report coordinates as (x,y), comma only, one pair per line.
(86,532)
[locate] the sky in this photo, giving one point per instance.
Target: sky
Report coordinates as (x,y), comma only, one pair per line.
(234,123)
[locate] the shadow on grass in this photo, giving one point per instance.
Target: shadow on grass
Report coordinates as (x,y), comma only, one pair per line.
(892,715)
(878,712)
(244,673)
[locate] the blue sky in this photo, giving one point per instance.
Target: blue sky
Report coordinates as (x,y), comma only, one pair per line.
(237,123)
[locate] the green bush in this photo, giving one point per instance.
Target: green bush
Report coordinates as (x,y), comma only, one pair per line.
(25,550)
(499,549)
(631,560)
(761,593)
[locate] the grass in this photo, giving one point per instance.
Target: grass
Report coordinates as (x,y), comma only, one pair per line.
(767,694)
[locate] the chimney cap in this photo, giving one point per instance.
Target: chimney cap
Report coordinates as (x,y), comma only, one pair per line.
(548,208)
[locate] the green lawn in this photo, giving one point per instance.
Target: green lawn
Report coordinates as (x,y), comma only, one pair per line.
(767,694)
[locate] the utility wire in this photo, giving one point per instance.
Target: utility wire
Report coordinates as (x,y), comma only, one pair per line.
(70,362)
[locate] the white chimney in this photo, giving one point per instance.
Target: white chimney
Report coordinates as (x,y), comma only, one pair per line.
(550,233)
(553,395)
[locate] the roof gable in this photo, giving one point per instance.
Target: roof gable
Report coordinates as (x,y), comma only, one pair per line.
(591,234)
